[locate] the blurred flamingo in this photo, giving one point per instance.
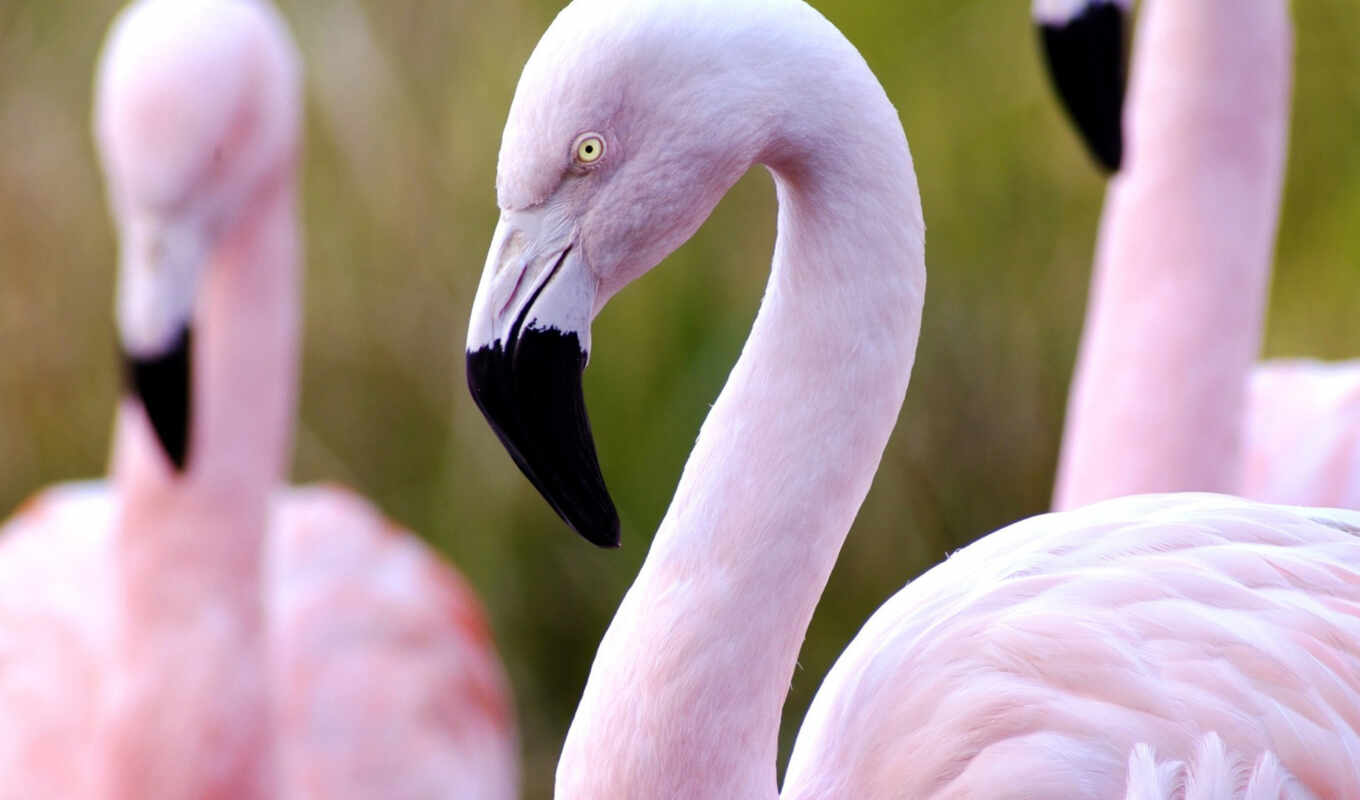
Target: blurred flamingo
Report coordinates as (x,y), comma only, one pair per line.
(189,629)
(1164,396)
(1130,647)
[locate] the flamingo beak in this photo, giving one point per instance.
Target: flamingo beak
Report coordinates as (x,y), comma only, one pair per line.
(528,344)
(1085,52)
(161,263)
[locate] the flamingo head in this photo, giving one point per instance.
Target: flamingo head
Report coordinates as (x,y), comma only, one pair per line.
(195,116)
(1084,45)
(630,122)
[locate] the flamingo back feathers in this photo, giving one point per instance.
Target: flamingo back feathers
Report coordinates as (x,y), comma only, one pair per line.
(1057,645)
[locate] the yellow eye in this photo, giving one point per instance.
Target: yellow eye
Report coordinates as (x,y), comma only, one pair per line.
(589,148)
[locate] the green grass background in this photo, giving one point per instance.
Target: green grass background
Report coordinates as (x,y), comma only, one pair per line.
(405,103)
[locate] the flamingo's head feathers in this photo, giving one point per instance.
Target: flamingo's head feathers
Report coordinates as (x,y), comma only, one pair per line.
(195,116)
(684,98)
(631,120)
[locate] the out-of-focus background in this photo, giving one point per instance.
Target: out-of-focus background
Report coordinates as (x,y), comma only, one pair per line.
(405,103)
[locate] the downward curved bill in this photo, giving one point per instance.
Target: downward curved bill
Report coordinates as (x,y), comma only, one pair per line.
(162,262)
(1084,46)
(528,344)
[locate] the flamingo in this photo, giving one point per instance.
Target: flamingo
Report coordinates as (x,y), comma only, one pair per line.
(189,628)
(1165,375)
(1131,647)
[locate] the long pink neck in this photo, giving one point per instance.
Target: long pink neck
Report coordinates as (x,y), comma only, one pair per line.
(188,714)
(685,695)
(1183,262)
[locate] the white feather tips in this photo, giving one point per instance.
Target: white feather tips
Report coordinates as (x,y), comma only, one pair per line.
(1214,774)
(1149,780)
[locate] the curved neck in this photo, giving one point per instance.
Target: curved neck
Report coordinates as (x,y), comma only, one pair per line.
(187,715)
(685,695)
(1183,261)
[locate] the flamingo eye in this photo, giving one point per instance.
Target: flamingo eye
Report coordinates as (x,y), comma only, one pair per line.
(589,148)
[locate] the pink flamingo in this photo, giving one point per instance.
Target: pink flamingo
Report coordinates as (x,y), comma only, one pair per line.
(1165,396)
(1130,647)
(190,629)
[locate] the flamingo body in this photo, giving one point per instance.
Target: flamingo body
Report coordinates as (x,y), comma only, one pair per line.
(385,680)
(1044,658)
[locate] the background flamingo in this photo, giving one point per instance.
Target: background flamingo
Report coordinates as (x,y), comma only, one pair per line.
(188,629)
(1164,377)
(1079,654)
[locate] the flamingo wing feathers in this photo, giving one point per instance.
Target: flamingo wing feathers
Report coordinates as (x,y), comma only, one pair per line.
(1050,650)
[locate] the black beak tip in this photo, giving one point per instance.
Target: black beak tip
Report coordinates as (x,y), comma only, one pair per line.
(1086,62)
(604,533)
(161,383)
(530,392)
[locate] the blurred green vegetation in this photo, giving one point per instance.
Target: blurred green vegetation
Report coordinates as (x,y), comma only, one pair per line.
(406,100)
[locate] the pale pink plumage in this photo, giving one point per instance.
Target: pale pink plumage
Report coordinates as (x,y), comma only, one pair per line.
(1164,397)
(1213,773)
(385,682)
(206,633)
(1034,662)
(1303,433)
(1042,661)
